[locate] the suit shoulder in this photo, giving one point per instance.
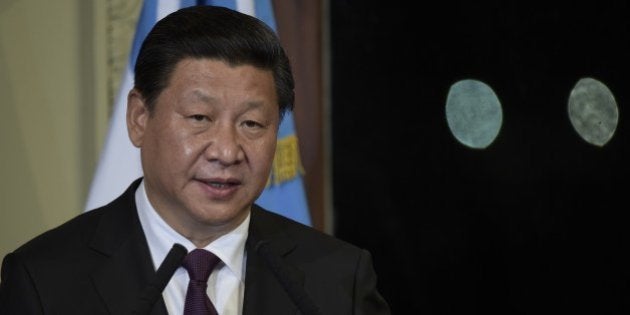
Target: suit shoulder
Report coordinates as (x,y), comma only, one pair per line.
(301,233)
(69,235)
(74,234)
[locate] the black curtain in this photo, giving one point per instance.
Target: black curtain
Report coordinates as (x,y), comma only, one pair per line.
(537,223)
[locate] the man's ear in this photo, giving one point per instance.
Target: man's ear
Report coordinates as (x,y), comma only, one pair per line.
(137,117)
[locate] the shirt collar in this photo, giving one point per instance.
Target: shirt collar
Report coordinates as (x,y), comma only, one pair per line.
(230,248)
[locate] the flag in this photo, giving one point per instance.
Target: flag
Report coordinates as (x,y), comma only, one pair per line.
(119,163)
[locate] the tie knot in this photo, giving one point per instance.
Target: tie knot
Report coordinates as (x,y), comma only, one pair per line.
(199,264)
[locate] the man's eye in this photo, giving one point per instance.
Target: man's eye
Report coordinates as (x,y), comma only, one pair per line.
(251,124)
(198,117)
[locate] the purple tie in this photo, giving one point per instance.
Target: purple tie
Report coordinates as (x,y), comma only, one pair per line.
(199,264)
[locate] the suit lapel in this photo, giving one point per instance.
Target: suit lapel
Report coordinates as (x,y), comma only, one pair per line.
(128,266)
(264,293)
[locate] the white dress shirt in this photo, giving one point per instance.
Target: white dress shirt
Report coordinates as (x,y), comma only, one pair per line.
(228,275)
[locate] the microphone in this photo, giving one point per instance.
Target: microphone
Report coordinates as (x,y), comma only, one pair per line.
(296,292)
(163,274)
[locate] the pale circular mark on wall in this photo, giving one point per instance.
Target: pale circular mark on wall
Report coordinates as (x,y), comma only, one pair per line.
(473,113)
(593,111)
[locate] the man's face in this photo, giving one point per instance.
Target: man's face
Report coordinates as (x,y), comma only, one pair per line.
(208,146)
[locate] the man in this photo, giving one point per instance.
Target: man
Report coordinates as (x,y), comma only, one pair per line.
(211,87)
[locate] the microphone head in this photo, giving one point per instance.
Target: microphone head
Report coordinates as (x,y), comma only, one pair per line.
(163,275)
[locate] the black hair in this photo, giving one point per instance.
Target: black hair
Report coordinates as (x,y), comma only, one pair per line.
(216,33)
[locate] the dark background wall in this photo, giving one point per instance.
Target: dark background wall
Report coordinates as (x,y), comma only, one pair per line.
(534,224)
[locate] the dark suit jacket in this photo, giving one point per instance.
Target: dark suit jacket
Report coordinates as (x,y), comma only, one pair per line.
(99,262)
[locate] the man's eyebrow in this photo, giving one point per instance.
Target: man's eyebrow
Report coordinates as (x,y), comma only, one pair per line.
(197,94)
(205,98)
(254,104)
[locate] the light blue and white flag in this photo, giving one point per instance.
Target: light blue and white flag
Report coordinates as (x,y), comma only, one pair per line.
(119,162)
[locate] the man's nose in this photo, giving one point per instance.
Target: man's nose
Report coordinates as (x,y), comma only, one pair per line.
(224,145)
